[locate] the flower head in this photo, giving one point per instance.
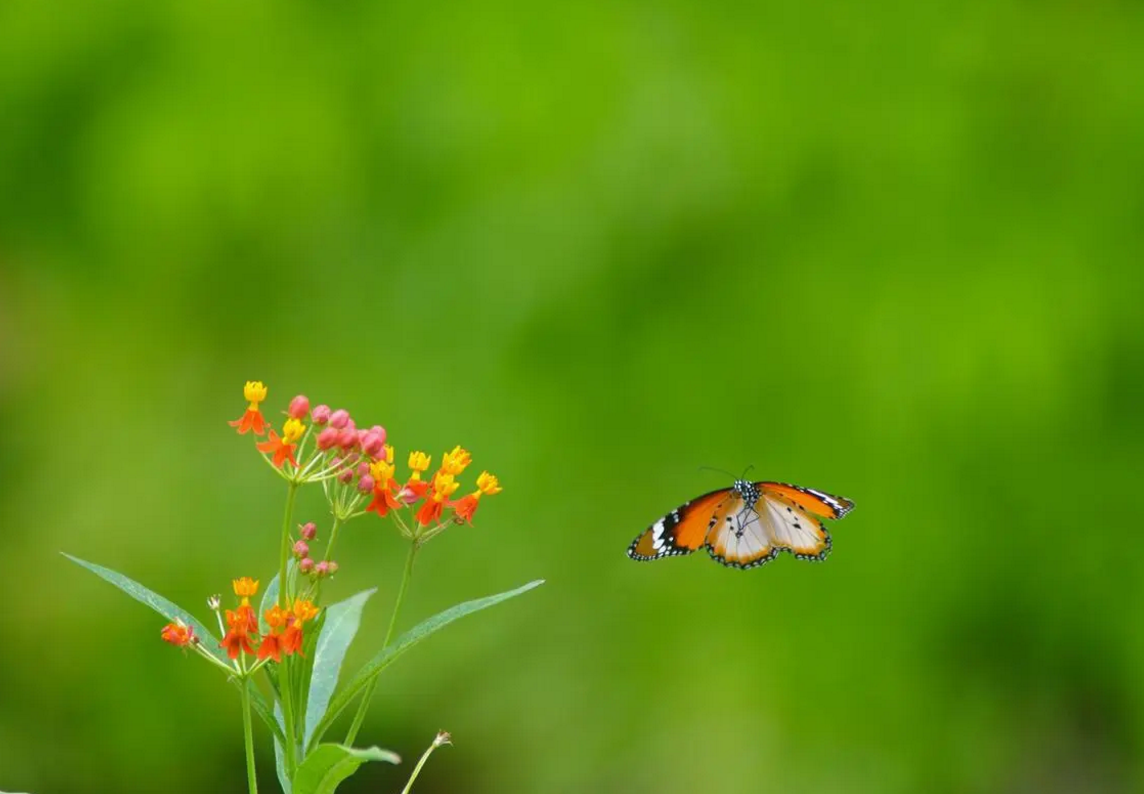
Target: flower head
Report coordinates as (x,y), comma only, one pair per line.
(178,633)
(466,506)
(254,392)
(245,587)
(443,487)
(455,462)
(418,463)
(488,484)
(280,447)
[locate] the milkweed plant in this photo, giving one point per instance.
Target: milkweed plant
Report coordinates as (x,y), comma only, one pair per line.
(285,657)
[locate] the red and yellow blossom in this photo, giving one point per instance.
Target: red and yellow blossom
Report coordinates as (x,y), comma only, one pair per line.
(466,506)
(254,392)
(282,447)
(384,485)
(178,633)
(291,640)
(416,488)
(272,643)
(443,487)
(244,588)
(242,630)
(455,462)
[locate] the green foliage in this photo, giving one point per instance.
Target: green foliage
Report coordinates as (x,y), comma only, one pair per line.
(210,643)
(403,643)
(329,764)
(341,624)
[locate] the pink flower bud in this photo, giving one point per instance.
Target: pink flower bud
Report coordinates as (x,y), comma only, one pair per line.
(306,565)
(372,443)
(379,431)
(346,476)
(320,414)
(365,484)
(362,469)
(322,568)
(308,531)
(301,549)
(339,418)
(299,407)
(327,438)
(333,567)
(347,438)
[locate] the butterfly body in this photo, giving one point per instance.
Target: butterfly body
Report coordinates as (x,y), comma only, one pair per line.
(746,525)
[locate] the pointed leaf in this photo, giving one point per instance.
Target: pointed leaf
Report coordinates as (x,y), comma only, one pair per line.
(330,764)
(161,605)
(342,621)
(403,643)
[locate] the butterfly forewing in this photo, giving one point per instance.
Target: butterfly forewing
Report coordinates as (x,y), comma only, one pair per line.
(818,503)
(681,531)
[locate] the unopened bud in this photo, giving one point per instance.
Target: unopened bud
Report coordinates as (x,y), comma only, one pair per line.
(339,418)
(328,438)
(333,567)
(308,531)
(365,483)
(321,414)
(299,407)
(306,565)
(301,549)
(322,568)
(346,476)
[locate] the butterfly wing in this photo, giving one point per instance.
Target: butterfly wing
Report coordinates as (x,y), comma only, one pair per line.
(740,537)
(817,503)
(792,528)
(683,530)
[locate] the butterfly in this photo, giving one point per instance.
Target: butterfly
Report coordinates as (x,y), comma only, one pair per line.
(746,525)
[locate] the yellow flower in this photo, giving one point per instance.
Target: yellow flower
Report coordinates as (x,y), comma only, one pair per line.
(455,462)
(443,487)
(382,472)
(389,453)
(254,392)
(488,484)
(418,462)
(292,430)
(245,586)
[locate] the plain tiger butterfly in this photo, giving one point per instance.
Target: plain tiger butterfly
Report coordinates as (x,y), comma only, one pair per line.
(745,525)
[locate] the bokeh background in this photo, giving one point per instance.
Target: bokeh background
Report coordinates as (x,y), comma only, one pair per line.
(887,250)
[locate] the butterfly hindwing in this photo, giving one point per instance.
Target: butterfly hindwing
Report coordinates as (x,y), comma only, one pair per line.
(739,539)
(681,531)
(794,529)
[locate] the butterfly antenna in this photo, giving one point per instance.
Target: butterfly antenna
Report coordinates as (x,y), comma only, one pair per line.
(719,471)
(747,471)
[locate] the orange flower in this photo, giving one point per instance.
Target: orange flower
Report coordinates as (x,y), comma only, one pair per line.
(466,506)
(384,484)
(254,392)
(236,640)
(291,641)
(271,646)
(178,633)
(443,487)
(283,447)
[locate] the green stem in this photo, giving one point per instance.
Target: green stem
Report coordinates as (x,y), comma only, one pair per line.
(368,694)
(291,492)
(252,779)
(283,601)
(442,738)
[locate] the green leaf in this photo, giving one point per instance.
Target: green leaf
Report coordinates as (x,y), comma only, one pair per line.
(342,621)
(330,764)
(161,605)
(403,643)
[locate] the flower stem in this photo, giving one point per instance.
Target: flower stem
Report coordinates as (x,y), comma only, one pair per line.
(283,601)
(442,738)
(252,779)
(368,694)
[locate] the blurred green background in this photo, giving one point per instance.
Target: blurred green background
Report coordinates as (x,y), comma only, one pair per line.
(891,251)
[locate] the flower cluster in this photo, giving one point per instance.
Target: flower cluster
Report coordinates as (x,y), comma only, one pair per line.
(356,467)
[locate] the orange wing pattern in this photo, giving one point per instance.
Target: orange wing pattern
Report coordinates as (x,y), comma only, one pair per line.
(683,530)
(815,502)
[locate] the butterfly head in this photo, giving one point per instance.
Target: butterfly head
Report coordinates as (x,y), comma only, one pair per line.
(747,490)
